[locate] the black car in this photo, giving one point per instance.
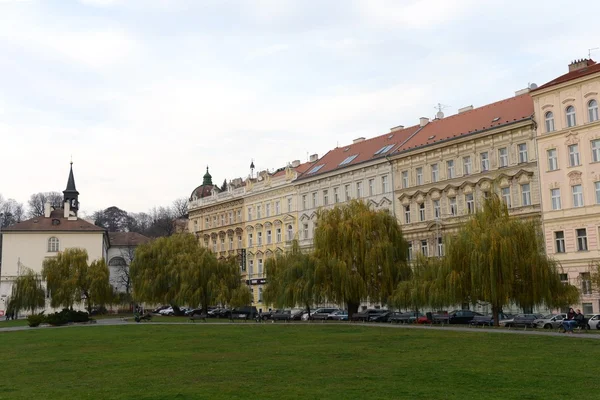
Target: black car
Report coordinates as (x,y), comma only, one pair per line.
(281,315)
(462,316)
(366,315)
(297,316)
(487,320)
(404,318)
(323,313)
(523,320)
(383,317)
(249,312)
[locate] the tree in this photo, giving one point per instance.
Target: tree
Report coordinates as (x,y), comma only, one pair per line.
(361,254)
(425,288)
(224,185)
(113,219)
(70,279)
(27,292)
(501,260)
(180,209)
(176,270)
(37,202)
(292,279)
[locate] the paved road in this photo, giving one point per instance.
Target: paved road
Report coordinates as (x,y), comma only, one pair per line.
(535,332)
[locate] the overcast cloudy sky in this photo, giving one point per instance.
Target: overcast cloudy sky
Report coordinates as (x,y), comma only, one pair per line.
(145,93)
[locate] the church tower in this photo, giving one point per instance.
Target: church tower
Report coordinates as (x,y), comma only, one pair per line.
(71,195)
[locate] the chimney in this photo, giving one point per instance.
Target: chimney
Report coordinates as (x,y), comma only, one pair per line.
(47,209)
(67,209)
(396,128)
(465,109)
(423,121)
(295,163)
(314,157)
(358,140)
(580,64)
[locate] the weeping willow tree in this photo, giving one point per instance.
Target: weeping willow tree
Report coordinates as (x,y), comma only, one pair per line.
(292,279)
(361,254)
(176,270)
(425,288)
(501,260)
(70,279)
(27,292)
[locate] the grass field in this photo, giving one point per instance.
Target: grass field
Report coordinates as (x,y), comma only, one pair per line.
(269,361)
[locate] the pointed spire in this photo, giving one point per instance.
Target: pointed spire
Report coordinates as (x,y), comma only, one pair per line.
(71,182)
(207,178)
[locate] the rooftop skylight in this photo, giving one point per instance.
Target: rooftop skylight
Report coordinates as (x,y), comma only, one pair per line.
(348,160)
(384,149)
(316,169)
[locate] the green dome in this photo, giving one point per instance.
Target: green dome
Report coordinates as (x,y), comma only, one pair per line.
(207,178)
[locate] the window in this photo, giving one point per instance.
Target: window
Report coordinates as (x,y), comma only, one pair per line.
(371,187)
(223,244)
(250,238)
(452,205)
(251,267)
(239,242)
(552,160)
(581,239)
(559,240)
(277,208)
(549,121)
(525,195)
(571,116)
(290,232)
(384,184)
(573,155)
(485,161)
(407,214)
(249,213)
(587,308)
(384,149)
(597,187)
(230,217)
(434,173)
(419,175)
(440,247)
(593,110)
(450,168)
(436,209)
(404,179)
(348,160)
(425,248)
(53,245)
(214,245)
(195,225)
(304,202)
(214,221)
(239,216)
(269,236)
(502,157)
(278,235)
(522,152)
(505,192)
(305,231)
(409,256)
(206,223)
(596,150)
(259,237)
(467,165)
(222,220)
(586,283)
(470,203)
(314,199)
(577,196)
(289,204)
(258,212)
(555,195)
(268,210)
(422,212)
(325,197)
(260,268)
(315,169)
(260,293)
(336,195)
(359,190)
(347,192)
(564,278)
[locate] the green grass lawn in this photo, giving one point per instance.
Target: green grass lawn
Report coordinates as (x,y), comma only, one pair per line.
(281,361)
(13,322)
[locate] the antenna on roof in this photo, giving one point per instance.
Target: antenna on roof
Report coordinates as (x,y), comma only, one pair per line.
(440,107)
(590,52)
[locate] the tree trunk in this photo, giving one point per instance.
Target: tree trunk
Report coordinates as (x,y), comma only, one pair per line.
(495,313)
(352,309)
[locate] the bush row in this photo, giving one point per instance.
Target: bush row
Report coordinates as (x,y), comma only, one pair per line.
(58,318)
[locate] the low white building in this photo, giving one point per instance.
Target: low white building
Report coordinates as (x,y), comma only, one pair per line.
(120,255)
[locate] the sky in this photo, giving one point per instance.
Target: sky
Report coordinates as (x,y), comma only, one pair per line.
(143,95)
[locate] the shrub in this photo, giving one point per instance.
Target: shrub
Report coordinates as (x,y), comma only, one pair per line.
(35,320)
(66,316)
(56,319)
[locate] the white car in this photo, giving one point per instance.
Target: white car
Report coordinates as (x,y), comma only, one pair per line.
(594,321)
(167,311)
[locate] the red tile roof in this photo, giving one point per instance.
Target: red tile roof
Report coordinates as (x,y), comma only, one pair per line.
(56,222)
(592,67)
(363,151)
(493,115)
(127,238)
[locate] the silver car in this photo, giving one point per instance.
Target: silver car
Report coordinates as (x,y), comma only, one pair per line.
(550,321)
(594,321)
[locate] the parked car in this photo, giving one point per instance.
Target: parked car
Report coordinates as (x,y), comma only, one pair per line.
(488,320)
(249,312)
(366,315)
(550,321)
(158,309)
(405,317)
(382,317)
(594,321)
(462,316)
(167,311)
(522,320)
(298,315)
(323,313)
(281,315)
(339,316)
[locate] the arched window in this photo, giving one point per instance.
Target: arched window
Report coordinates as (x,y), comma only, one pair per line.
(290,232)
(593,110)
(117,262)
(571,116)
(53,245)
(549,121)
